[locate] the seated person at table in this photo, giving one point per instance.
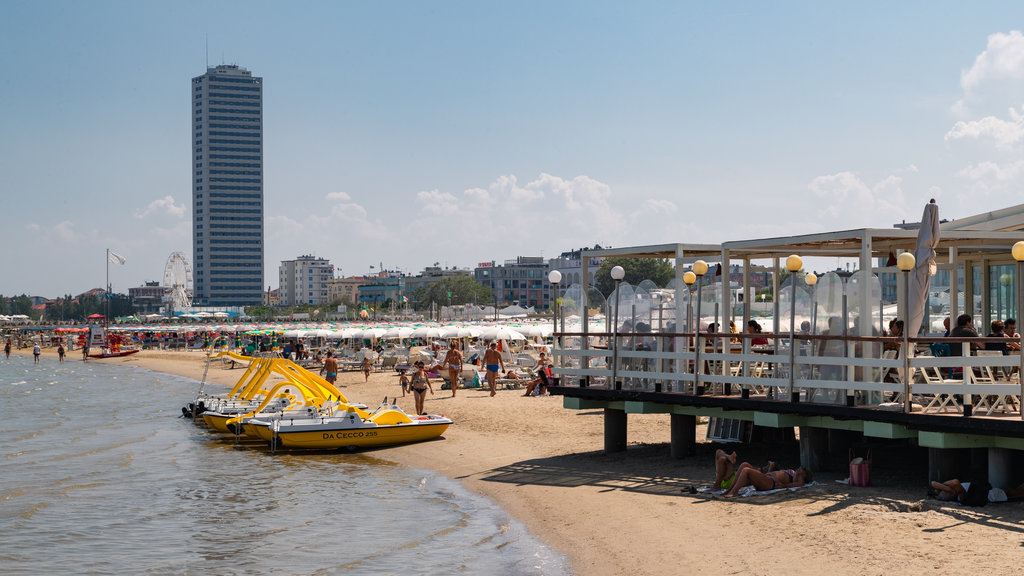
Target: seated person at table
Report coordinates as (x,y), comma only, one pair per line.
(1010,331)
(754,328)
(964,329)
(997,332)
(764,481)
(726,469)
(896,331)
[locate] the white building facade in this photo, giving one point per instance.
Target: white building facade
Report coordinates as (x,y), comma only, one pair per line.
(305,281)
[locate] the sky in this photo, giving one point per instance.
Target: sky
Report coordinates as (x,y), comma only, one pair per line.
(406,134)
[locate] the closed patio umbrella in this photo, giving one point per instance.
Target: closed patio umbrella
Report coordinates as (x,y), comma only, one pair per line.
(924,269)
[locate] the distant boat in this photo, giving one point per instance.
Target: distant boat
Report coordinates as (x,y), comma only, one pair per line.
(108,353)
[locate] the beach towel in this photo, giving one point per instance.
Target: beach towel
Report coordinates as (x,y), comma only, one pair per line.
(751,491)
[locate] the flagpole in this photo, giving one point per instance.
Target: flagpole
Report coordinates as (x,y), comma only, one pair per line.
(106,297)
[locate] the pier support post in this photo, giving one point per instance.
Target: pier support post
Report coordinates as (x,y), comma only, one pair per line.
(684,435)
(813,448)
(614,430)
(1004,467)
(946,463)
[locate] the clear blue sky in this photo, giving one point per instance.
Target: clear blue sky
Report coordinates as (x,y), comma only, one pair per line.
(408,133)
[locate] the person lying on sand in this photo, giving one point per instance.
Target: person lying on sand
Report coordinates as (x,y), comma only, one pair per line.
(955,490)
(764,481)
(726,469)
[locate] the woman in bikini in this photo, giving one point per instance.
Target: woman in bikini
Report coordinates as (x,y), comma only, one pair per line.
(453,361)
(420,384)
(763,481)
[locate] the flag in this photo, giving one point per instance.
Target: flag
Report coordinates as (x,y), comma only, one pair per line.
(404,299)
(115,258)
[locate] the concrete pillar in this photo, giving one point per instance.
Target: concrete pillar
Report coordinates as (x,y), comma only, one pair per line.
(1003,467)
(684,435)
(947,463)
(814,448)
(614,430)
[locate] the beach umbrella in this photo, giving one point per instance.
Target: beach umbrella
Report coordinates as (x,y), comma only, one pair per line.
(400,332)
(924,268)
(501,333)
(427,332)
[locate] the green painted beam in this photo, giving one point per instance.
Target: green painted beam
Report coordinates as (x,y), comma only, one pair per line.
(945,440)
(833,424)
(888,430)
(635,407)
(772,420)
(570,403)
(713,412)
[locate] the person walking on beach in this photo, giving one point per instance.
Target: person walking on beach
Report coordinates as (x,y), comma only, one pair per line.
(60,352)
(453,361)
(7,349)
(36,352)
(493,363)
(367,366)
(403,379)
(330,367)
(85,351)
(420,384)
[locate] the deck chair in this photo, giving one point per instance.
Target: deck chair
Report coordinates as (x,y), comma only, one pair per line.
(940,400)
(987,375)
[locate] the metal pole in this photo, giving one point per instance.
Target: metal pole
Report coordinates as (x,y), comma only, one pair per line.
(1020,306)
(793,397)
(554,319)
(906,343)
(615,339)
(697,345)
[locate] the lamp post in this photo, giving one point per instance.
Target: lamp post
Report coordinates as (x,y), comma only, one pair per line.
(689,278)
(554,277)
(812,280)
(1018,255)
(793,264)
(906,263)
(699,268)
(617,274)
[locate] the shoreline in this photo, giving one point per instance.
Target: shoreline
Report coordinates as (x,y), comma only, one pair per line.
(632,512)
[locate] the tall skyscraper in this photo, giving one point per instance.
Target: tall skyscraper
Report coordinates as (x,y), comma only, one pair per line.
(227,188)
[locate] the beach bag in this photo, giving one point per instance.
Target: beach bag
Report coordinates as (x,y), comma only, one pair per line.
(860,470)
(977,494)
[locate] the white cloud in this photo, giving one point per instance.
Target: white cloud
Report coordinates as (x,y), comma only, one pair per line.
(994,74)
(988,171)
(1005,133)
(1002,58)
(338,197)
(162,206)
(845,196)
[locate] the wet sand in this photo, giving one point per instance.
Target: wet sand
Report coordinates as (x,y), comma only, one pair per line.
(633,513)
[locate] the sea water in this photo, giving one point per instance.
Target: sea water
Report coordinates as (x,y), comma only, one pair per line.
(100,474)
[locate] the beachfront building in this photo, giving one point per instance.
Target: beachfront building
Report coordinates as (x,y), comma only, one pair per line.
(148,298)
(827,369)
(383,292)
(227,187)
(570,265)
(345,290)
(522,281)
(305,280)
(431,275)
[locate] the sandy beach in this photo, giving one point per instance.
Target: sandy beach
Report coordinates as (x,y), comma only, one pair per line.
(633,513)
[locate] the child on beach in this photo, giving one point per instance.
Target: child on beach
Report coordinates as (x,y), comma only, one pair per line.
(403,379)
(367,365)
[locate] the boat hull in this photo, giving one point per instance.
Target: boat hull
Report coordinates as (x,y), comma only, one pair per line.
(118,354)
(325,439)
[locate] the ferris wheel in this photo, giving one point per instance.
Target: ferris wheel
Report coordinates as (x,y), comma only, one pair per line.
(178,281)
